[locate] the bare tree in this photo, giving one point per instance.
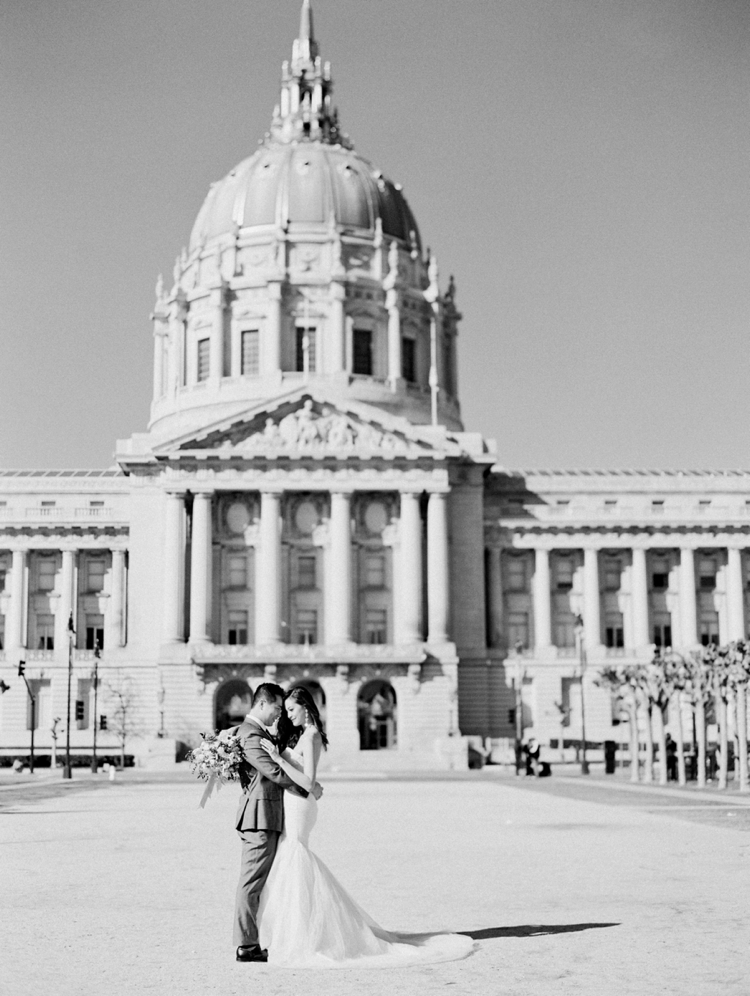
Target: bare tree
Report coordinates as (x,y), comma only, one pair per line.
(124,721)
(623,682)
(678,678)
(698,689)
(740,678)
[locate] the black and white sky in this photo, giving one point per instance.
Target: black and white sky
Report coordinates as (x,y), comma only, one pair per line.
(581,166)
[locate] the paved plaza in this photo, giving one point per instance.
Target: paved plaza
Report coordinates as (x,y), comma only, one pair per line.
(568,887)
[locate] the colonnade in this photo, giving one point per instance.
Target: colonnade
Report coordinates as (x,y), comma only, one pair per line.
(408,588)
(733,626)
(65,595)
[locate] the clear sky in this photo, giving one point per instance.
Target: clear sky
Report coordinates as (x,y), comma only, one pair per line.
(579,165)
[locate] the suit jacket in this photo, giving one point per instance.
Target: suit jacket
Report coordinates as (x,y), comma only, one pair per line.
(262,801)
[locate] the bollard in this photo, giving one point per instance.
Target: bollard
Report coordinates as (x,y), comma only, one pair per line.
(111,772)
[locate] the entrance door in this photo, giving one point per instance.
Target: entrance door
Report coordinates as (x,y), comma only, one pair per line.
(233,700)
(376,714)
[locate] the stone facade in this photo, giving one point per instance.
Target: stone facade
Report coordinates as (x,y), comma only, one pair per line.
(307,507)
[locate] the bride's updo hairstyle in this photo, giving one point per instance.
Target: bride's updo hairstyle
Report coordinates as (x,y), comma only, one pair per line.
(289,734)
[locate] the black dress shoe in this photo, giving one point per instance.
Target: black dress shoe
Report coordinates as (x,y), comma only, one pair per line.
(252,954)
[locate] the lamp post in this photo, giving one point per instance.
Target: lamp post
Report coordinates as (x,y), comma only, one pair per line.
(95,678)
(32,700)
(518,689)
(67,770)
(582,661)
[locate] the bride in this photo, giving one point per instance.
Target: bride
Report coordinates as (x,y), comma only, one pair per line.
(306,918)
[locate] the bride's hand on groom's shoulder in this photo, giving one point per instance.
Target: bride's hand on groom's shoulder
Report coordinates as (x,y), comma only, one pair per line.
(271,749)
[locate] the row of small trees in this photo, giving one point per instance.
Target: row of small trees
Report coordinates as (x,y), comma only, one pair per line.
(704,681)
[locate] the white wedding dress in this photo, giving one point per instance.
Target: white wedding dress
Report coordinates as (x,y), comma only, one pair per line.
(307,919)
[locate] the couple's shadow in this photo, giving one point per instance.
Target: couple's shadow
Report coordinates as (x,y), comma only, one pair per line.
(532,930)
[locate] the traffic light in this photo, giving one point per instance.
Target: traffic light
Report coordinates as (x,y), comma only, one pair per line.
(102,722)
(80,714)
(21,668)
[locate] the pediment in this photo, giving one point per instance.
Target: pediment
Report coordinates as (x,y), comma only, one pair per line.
(307,425)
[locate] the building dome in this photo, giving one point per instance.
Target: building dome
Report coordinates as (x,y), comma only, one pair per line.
(303,186)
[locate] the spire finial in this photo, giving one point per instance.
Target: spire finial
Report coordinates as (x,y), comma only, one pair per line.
(306,22)
(306,113)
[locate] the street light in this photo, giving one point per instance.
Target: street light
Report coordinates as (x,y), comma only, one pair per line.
(582,660)
(518,689)
(67,770)
(97,655)
(32,700)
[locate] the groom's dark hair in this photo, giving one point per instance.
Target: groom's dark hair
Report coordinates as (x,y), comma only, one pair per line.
(267,692)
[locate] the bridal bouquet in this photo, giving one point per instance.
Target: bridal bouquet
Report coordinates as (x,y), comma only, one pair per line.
(218,759)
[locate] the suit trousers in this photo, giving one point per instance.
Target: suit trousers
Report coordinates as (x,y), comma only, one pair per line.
(258,852)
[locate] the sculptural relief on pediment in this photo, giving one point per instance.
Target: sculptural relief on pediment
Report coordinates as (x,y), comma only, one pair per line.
(323,432)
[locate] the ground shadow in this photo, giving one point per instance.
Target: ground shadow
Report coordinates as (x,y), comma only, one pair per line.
(533,930)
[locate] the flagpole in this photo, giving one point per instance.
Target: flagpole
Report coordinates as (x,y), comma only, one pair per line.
(67,770)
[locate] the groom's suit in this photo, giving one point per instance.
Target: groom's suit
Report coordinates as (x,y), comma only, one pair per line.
(260,820)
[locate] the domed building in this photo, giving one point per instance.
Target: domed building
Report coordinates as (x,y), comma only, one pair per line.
(306,507)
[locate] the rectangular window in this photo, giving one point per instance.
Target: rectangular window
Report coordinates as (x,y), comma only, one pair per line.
(95,575)
(46,571)
(518,630)
(45,631)
(94,632)
(565,631)
(306,573)
(409,360)
(250,353)
(657,505)
(707,569)
(204,359)
(96,504)
(516,573)
(709,629)
(237,570)
(237,628)
(306,344)
(660,581)
(376,626)
(48,504)
(613,631)
(375,570)
(564,567)
(663,630)
(362,352)
(612,574)
(307,626)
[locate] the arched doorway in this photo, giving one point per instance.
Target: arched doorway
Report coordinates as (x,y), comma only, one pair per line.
(376,715)
(232,703)
(317,693)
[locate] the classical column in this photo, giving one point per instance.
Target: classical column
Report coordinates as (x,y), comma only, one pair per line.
(216,349)
(542,600)
(410,535)
(114,635)
(200,569)
(495,586)
(339,574)
(735,595)
(174,568)
(336,359)
(268,570)
(67,604)
(438,585)
(639,597)
(592,607)
(688,609)
(14,636)
(394,335)
(271,345)
(160,340)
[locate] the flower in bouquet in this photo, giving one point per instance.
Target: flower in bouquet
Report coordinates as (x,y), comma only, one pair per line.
(218,759)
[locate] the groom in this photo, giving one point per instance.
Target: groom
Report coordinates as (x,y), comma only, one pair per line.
(260,817)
